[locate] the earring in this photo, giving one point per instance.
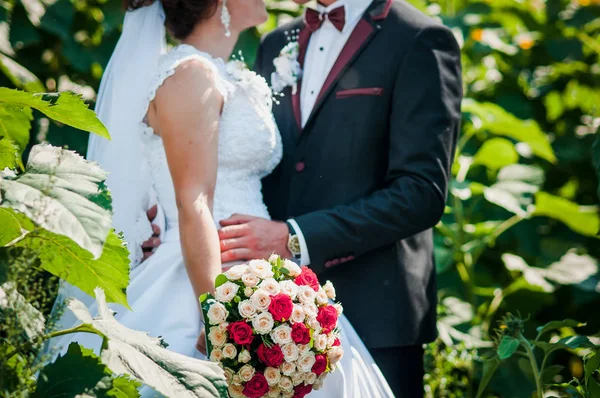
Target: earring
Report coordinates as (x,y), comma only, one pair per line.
(226,18)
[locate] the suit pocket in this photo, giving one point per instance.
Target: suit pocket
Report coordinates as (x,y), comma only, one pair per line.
(376,91)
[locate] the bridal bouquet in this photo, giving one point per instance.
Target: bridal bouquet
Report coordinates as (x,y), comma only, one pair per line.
(272,329)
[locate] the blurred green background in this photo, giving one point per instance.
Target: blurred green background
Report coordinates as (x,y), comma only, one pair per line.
(520,233)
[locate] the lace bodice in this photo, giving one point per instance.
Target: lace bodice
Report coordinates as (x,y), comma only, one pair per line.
(249,141)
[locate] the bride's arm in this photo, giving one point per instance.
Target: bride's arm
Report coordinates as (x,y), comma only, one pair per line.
(187,109)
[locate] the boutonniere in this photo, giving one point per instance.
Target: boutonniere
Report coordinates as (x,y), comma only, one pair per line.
(287,68)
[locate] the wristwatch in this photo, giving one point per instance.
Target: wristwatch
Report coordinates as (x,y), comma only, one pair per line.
(293,243)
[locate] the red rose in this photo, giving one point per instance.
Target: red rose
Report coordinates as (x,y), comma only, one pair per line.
(327,318)
(240,332)
(320,365)
(281,307)
(302,390)
(270,356)
(336,343)
(256,387)
(300,333)
(308,278)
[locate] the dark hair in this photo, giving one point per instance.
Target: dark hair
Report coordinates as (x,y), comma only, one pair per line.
(181,16)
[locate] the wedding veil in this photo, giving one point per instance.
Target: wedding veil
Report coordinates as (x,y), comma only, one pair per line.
(121,106)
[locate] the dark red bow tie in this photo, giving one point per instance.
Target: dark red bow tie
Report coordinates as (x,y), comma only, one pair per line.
(315,19)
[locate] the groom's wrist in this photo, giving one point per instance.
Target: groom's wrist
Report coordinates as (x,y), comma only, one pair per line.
(297,243)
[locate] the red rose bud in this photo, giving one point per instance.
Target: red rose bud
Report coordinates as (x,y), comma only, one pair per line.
(300,333)
(241,333)
(327,318)
(308,278)
(336,343)
(281,307)
(320,365)
(256,387)
(270,356)
(302,390)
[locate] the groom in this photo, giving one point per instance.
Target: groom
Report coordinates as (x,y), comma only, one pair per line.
(368,137)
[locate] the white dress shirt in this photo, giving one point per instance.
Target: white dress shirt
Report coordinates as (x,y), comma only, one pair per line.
(324,47)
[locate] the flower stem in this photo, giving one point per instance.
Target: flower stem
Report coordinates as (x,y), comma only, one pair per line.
(534,366)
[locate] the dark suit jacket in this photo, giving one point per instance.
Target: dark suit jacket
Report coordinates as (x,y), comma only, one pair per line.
(366,179)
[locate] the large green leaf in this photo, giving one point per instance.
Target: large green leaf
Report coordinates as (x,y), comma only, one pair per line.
(77,373)
(15,123)
(496,153)
(136,354)
(508,346)
(496,120)
(124,387)
(592,365)
(583,220)
(60,256)
(9,157)
(554,325)
(63,193)
(514,196)
(67,108)
(11,227)
(567,343)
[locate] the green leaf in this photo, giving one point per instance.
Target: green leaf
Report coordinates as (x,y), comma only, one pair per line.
(9,157)
(594,388)
(567,343)
(60,256)
(142,357)
(58,192)
(12,227)
(508,346)
(20,76)
(67,108)
(581,219)
(554,325)
(220,280)
(550,372)
(596,157)
(124,387)
(514,196)
(498,121)
(58,19)
(15,123)
(592,364)
(489,369)
(519,172)
(496,153)
(31,320)
(75,373)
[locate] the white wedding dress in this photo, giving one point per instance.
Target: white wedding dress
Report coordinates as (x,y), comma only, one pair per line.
(160,292)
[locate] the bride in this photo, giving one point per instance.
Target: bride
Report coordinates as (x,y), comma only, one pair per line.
(199,132)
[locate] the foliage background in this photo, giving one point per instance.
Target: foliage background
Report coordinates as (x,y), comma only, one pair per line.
(532,89)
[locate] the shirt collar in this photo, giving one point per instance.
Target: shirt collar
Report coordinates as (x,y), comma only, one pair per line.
(354,8)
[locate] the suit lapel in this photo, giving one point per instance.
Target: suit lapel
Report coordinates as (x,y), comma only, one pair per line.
(303,38)
(364,31)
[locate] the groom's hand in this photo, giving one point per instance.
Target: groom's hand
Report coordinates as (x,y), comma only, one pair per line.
(152,243)
(246,238)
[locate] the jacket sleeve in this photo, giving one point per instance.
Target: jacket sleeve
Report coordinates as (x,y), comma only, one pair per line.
(424,123)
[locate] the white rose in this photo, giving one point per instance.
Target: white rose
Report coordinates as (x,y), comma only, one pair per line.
(248,291)
(250,280)
(223,326)
(274,392)
(217,337)
(263,323)
(246,372)
(228,375)
(226,292)
(298,378)
(261,268)
(306,362)
(306,295)
(292,267)
(244,356)
(298,314)
(339,309)
(317,385)
(261,299)
(217,313)
(310,377)
(310,310)
(271,286)
(320,342)
(282,334)
(286,383)
(247,309)
(314,325)
(329,290)
(229,351)
(288,368)
(216,355)
(236,391)
(236,379)
(272,375)
(290,352)
(303,349)
(235,273)
(335,354)
(287,394)
(331,339)
(273,258)
(322,298)
(289,288)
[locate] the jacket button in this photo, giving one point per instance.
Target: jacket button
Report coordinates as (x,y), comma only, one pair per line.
(300,167)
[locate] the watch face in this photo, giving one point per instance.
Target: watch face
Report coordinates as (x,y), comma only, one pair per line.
(294,245)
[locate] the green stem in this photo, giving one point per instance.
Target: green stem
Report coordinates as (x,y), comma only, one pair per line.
(534,367)
(492,309)
(502,228)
